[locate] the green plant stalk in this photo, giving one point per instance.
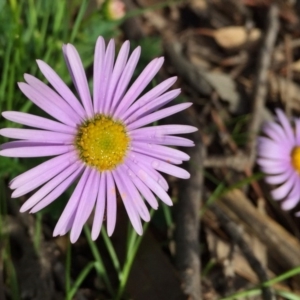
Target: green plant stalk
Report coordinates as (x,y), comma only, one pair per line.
(222,190)
(78,20)
(167,215)
(11,87)
(284,276)
(43,32)
(37,231)
(213,197)
(60,10)
(100,266)
(32,20)
(111,252)
(287,295)
(14,8)
(80,279)
(131,238)
(211,177)
(243,294)
(212,262)
(257,292)
(6,62)
(132,250)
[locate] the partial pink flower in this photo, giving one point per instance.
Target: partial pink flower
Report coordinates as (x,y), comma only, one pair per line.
(102,140)
(279,158)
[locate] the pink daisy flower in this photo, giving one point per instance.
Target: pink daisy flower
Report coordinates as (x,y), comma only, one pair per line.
(102,142)
(279,158)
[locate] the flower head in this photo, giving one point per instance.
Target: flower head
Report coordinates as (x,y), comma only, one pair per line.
(114,9)
(279,158)
(102,142)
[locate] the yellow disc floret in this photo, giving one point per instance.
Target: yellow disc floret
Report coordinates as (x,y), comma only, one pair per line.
(296,158)
(102,142)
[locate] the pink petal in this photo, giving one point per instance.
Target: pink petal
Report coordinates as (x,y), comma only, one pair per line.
(70,210)
(130,208)
(61,88)
(100,207)
(37,122)
(86,204)
(111,209)
(80,79)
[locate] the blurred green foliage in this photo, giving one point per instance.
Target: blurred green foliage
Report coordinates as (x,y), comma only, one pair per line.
(31,30)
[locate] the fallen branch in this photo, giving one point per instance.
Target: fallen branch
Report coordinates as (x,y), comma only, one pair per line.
(260,89)
(188,225)
(233,231)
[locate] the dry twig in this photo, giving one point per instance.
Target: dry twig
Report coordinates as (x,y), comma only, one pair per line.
(235,234)
(237,162)
(260,89)
(281,245)
(187,230)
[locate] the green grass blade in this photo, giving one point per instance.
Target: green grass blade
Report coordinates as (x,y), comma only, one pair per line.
(78,20)
(83,274)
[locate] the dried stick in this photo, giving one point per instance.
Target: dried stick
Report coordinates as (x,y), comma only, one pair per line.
(237,162)
(282,246)
(260,89)
(187,225)
(233,231)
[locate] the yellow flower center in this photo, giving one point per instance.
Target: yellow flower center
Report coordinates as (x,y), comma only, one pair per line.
(296,158)
(102,142)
